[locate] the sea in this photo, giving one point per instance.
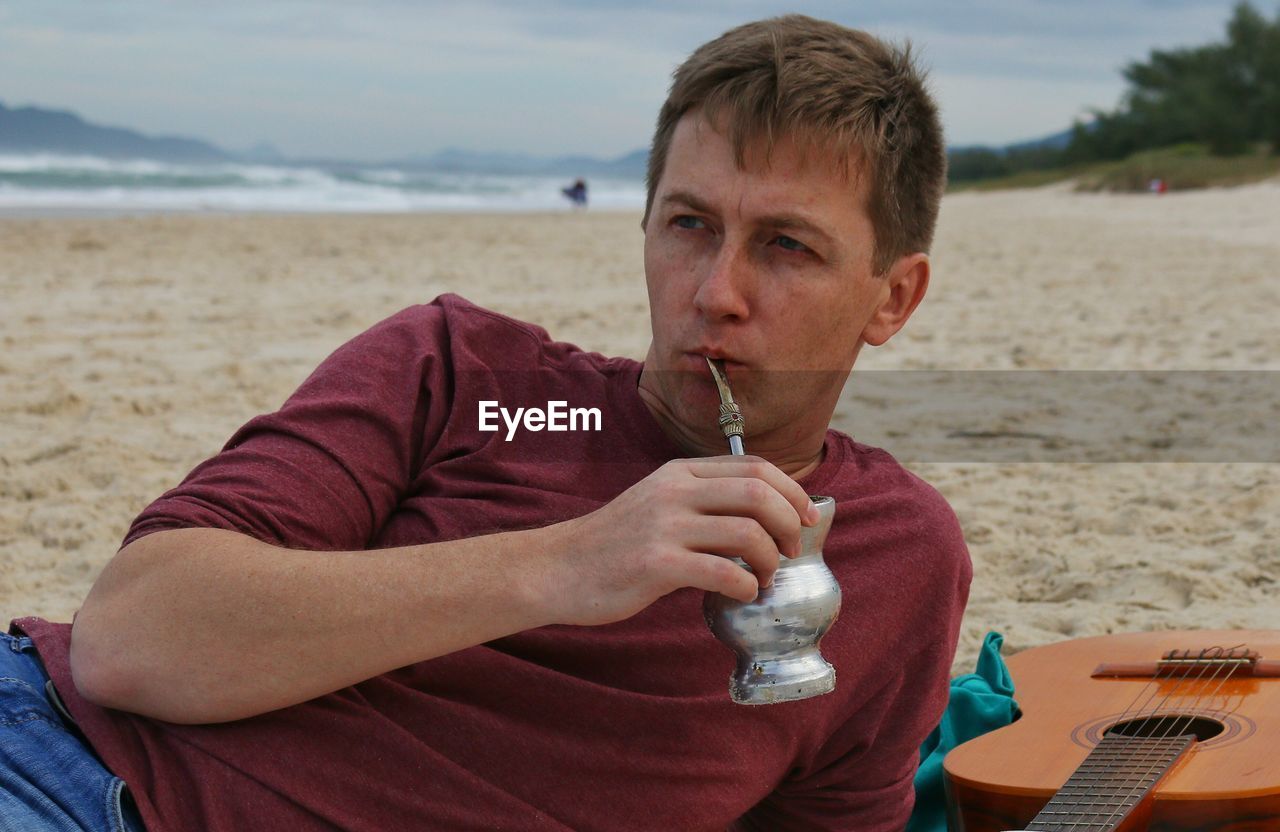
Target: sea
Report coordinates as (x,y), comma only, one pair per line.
(47,183)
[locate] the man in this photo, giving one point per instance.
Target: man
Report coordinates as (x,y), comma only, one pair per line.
(373,611)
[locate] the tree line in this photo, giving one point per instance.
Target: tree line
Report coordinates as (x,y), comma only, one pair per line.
(1223,95)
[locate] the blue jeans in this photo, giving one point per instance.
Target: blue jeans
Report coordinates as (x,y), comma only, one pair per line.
(50,780)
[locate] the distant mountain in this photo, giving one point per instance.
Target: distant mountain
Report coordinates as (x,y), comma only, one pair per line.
(978,162)
(264,152)
(1054,141)
(37,130)
(40,130)
(636,160)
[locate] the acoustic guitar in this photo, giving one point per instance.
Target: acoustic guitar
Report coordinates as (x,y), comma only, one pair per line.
(1168,731)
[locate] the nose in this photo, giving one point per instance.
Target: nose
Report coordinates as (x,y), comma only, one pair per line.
(725,290)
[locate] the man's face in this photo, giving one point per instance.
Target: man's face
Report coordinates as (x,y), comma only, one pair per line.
(768,267)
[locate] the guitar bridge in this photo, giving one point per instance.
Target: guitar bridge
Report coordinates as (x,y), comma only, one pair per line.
(1212,662)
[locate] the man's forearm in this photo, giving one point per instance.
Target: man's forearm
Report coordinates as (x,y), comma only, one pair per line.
(206,625)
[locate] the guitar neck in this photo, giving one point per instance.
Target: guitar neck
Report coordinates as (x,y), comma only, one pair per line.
(1113,780)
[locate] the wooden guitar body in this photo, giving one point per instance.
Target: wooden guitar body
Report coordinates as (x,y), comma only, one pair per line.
(1228,782)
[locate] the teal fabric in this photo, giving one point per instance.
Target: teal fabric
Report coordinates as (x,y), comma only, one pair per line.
(980,702)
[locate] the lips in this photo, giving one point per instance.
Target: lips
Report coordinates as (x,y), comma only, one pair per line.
(715,352)
(697,362)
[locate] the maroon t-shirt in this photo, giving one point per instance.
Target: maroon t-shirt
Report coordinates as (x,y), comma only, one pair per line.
(626,726)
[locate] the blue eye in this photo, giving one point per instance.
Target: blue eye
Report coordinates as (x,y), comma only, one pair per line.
(791,244)
(686,221)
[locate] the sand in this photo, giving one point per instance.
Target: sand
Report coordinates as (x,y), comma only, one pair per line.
(134,346)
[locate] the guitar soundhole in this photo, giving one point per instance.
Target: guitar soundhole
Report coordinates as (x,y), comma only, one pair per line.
(1168,725)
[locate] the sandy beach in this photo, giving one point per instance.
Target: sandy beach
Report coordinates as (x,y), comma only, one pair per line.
(134,346)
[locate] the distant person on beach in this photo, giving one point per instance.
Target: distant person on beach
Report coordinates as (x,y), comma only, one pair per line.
(577,193)
(407,600)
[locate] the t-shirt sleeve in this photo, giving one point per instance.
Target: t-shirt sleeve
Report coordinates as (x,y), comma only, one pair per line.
(863,777)
(326,470)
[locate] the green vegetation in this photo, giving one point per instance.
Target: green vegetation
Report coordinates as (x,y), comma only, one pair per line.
(1193,117)
(1021,179)
(1181,167)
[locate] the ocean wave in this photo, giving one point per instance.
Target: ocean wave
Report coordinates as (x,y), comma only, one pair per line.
(47,181)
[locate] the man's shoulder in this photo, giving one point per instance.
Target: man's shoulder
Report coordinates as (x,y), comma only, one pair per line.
(466,315)
(876,492)
(862,470)
(478,335)
(455,317)
(897,546)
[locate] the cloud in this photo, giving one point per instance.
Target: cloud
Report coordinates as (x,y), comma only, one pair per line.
(393,77)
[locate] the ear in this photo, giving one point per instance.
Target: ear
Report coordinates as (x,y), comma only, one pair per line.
(905,285)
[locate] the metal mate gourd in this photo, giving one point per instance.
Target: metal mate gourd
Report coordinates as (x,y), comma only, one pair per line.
(776,636)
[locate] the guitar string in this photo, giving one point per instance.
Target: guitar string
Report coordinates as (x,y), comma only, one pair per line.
(1173,728)
(1151,756)
(1152,686)
(1090,811)
(1143,725)
(1151,689)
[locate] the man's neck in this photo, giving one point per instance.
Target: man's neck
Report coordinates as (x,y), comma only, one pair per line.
(795,456)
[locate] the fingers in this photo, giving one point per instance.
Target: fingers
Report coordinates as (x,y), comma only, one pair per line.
(682,525)
(751,486)
(760,469)
(740,537)
(716,574)
(751,498)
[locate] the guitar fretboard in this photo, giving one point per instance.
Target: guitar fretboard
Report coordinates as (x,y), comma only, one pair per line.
(1110,782)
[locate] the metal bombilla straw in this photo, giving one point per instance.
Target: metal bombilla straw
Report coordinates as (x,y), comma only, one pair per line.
(731,424)
(776,636)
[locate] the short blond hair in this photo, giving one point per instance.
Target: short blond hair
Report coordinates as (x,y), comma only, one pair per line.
(827,86)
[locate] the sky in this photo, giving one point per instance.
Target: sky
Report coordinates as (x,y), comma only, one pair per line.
(388,79)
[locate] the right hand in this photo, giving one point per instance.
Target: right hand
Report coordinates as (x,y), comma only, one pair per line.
(676,528)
